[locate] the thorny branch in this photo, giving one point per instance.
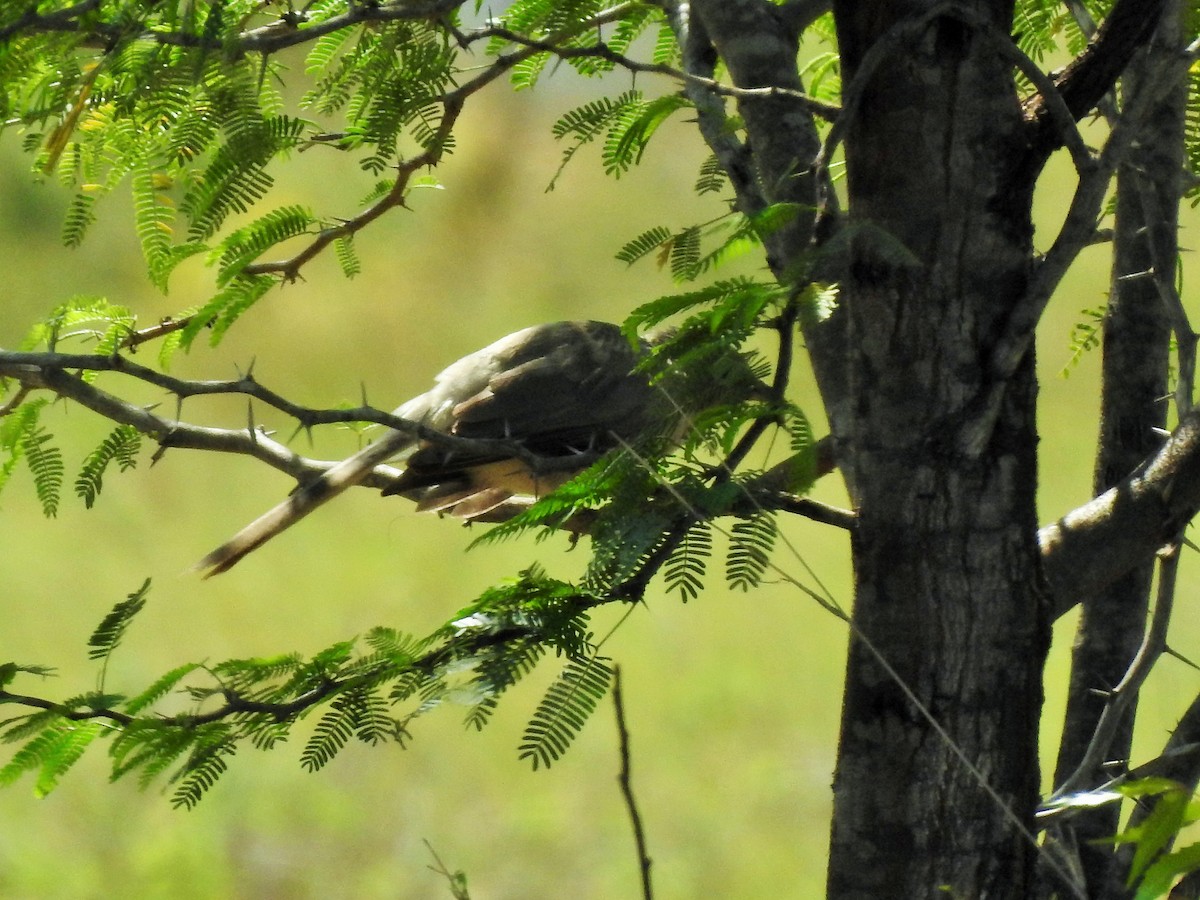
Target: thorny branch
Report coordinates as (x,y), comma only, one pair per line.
(1076,233)
(54,372)
(1124,694)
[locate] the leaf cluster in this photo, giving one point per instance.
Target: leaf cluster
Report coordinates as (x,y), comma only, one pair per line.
(171,105)
(194,126)
(187,724)
(557,23)
(102,326)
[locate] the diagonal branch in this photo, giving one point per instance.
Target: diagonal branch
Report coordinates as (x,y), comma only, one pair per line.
(1122,697)
(1127,524)
(54,372)
(1092,74)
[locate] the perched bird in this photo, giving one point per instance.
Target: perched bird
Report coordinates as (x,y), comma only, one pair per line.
(527,414)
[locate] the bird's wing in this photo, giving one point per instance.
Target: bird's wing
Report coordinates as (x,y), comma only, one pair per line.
(556,390)
(559,391)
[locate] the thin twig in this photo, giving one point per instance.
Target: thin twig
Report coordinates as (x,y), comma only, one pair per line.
(635,818)
(456,881)
(602,51)
(1163,271)
(1124,694)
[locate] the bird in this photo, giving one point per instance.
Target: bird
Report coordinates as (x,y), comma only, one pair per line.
(517,419)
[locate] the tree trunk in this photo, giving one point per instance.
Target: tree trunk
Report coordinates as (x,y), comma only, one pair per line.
(937,775)
(1133,411)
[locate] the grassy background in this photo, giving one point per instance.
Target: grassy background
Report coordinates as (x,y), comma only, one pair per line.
(732,699)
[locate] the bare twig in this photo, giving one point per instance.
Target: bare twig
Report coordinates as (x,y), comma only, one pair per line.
(624,779)
(1124,694)
(456,881)
(603,51)
(1163,272)
(161,329)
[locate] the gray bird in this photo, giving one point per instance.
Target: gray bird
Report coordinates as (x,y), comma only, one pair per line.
(534,409)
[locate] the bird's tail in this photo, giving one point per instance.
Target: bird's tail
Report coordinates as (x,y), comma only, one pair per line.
(301,502)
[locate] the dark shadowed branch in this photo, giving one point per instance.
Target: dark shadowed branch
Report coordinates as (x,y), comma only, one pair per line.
(624,778)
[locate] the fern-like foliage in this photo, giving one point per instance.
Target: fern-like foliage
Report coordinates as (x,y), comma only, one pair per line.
(159,688)
(15,429)
(1085,337)
(565,709)
(108,633)
(685,567)
(712,177)
(726,239)
(632,128)
(121,446)
(184,108)
(100,326)
(371,690)
(211,745)
(347,256)
(567,25)
(181,103)
(247,243)
(584,124)
(332,733)
(225,308)
(95,322)
(45,462)
(822,74)
(56,748)
(749,554)
(1191,120)
(1037,25)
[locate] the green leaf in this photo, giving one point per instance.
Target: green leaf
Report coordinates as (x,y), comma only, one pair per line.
(153,223)
(634,126)
(1162,873)
(685,567)
(712,177)
(108,633)
(14,428)
(1086,335)
(63,752)
(159,688)
(46,463)
(248,243)
(333,731)
(1158,829)
(568,704)
(121,445)
(347,256)
(644,244)
(226,307)
(206,764)
(750,544)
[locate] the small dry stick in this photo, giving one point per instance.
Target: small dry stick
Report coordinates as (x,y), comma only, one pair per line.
(623,778)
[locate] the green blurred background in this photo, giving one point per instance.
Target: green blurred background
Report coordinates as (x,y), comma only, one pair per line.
(732,699)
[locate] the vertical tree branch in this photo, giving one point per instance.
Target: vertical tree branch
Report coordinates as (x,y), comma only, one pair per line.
(1138,324)
(626,782)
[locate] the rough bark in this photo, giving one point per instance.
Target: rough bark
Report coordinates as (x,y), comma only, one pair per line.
(937,774)
(1133,410)
(949,601)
